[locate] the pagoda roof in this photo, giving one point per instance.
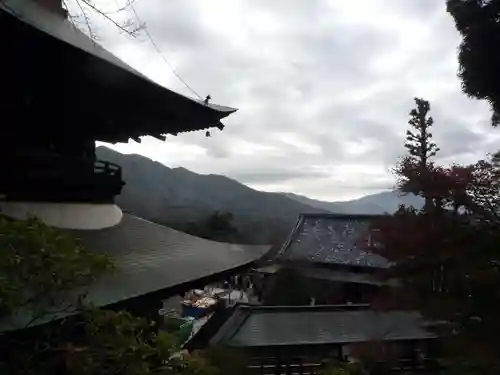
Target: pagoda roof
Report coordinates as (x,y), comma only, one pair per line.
(152,261)
(62,72)
(263,326)
(331,239)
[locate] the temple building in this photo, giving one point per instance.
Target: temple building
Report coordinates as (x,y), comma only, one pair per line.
(316,307)
(64,92)
(301,339)
(329,256)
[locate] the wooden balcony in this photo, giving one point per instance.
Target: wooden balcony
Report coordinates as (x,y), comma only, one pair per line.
(49,178)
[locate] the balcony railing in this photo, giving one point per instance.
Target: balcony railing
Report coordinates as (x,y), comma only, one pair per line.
(50,178)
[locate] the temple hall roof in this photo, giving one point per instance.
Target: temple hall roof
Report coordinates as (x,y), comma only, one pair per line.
(150,260)
(57,72)
(331,239)
(258,326)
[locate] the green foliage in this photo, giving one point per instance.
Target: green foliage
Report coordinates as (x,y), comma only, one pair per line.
(39,269)
(116,342)
(479,58)
(418,141)
(446,258)
(217,227)
(40,266)
(421,150)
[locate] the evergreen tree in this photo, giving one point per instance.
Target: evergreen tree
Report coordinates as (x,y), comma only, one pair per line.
(421,150)
(447,261)
(479,56)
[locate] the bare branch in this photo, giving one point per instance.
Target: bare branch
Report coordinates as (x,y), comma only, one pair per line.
(87,21)
(132,33)
(123,8)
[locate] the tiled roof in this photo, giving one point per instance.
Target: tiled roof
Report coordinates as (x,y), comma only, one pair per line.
(343,276)
(325,274)
(331,239)
(161,111)
(316,325)
(149,258)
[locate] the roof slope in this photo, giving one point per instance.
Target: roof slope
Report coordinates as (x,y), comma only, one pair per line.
(331,239)
(317,325)
(53,41)
(150,258)
(323,273)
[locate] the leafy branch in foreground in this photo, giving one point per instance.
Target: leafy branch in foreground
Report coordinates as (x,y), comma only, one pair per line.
(40,270)
(41,267)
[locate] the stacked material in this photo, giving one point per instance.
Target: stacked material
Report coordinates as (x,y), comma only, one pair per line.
(198,307)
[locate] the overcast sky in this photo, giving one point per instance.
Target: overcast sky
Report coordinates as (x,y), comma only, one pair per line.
(323,88)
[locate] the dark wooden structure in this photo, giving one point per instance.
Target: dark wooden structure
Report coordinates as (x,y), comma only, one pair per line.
(330,254)
(61,93)
(300,340)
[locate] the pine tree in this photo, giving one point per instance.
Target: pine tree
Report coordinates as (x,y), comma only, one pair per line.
(413,170)
(447,261)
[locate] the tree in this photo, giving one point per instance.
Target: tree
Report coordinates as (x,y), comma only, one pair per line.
(447,259)
(40,267)
(216,227)
(220,226)
(479,58)
(421,149)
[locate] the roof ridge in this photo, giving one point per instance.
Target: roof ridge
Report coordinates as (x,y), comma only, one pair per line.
(279,308)
(342,215)
(286,244)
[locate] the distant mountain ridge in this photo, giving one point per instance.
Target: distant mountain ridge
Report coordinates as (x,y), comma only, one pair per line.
(373,204)
(173,195)
(177,195)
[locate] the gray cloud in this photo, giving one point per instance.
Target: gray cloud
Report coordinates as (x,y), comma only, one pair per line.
(324,88)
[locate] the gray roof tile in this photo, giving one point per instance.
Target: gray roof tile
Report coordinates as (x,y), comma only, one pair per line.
(148,258)
(316,325)
(152,257)
(331,239)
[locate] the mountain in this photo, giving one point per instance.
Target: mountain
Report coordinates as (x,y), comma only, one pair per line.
(380,203)
(177,195)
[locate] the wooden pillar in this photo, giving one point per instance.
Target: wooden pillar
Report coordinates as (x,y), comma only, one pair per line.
(277,367)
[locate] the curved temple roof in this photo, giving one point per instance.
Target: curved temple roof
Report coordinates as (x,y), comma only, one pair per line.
(151,258)
(114,102)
